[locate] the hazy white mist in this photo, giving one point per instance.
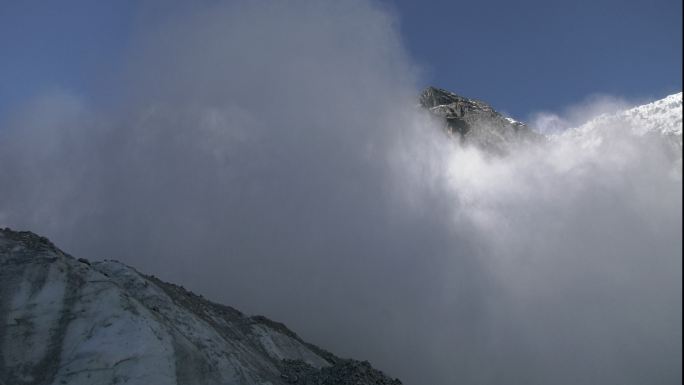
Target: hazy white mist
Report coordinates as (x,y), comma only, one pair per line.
(271,156)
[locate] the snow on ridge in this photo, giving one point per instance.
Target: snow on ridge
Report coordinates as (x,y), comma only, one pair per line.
(662,116)
(512,121)
(110,323)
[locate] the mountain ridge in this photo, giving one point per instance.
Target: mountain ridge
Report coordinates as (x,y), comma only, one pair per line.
(106,323)
(475,122)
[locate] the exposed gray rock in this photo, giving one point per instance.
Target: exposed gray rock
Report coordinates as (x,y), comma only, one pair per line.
(344,372)
(69,321)
(475,122)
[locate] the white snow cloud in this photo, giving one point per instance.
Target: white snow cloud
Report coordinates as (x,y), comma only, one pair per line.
(270,156)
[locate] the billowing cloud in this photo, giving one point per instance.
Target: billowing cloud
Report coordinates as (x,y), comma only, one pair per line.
(271,156)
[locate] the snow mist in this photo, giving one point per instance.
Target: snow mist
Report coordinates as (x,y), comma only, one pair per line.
(271,156)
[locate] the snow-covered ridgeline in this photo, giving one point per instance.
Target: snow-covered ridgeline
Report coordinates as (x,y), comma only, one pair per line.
(662,116)
(69,321)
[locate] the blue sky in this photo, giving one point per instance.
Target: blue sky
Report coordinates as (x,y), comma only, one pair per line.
(528,55)
(521,56)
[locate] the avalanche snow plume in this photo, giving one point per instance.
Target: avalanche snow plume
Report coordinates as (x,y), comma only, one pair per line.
(272,157)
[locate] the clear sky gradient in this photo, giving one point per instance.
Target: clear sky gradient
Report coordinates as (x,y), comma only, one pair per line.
(521,56)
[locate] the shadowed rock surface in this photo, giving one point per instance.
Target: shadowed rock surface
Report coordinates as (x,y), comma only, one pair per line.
(71,321)
(475,122)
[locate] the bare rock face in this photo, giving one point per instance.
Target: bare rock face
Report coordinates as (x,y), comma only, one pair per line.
(475,122)
(70,321)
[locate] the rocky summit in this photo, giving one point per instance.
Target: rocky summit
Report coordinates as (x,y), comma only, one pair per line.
(475,122)
(71,321)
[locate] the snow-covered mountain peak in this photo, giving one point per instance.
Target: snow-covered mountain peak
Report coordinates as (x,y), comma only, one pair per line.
(662,116)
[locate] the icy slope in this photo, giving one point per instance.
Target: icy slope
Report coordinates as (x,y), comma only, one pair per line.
(68,321)
(654,127)
(663,117)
